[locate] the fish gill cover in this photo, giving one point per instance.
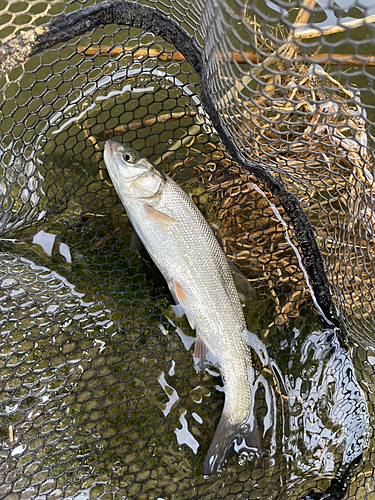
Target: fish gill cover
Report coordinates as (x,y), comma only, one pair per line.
(263,113)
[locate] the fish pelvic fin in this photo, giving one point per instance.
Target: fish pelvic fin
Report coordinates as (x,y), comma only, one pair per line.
(222,445)
(182,296)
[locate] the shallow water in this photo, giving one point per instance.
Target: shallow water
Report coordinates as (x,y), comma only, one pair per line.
(100,391)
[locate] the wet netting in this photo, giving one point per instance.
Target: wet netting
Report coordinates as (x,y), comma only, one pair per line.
(262,111)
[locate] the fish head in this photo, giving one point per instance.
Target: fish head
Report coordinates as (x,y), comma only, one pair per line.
(133,176)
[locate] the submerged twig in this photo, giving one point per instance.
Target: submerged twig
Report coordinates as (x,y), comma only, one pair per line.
(188,136)
(245,57)
(134,52)
(121,129)
(312,134)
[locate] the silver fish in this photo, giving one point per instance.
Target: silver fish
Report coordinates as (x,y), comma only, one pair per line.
(184,248)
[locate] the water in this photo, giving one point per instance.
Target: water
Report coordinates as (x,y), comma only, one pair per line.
(91,393)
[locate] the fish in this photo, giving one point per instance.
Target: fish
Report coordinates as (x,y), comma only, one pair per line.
(182,245)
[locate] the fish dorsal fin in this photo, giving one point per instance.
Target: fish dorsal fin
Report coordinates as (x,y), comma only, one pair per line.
(245,291)
(153,213)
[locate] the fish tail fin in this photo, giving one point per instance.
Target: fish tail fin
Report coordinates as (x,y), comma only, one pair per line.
(222,447)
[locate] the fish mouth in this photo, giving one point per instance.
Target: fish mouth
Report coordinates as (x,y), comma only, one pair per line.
(110,147)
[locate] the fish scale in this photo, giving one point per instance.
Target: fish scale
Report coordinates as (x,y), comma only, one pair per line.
(188,252)
(184,248)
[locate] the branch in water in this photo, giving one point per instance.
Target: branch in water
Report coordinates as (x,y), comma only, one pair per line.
(121,129)
(231,57)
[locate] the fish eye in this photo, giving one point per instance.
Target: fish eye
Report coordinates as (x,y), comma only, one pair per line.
(129,157)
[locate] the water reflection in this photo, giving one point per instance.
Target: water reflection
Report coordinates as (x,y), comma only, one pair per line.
(170,392)
(67,392)
(23,184)
(184,436)
(310,408)
(45,240)
(327,407)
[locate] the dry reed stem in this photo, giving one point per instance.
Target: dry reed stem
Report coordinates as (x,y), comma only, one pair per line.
(330,30)
(314,156)
(343,163)
(304,14)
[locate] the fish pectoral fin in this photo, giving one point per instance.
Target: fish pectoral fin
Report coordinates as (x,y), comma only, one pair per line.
(153,213)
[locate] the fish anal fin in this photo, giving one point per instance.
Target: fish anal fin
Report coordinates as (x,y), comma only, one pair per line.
(222,446)
(153,213)
(200,349)
(200,353)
